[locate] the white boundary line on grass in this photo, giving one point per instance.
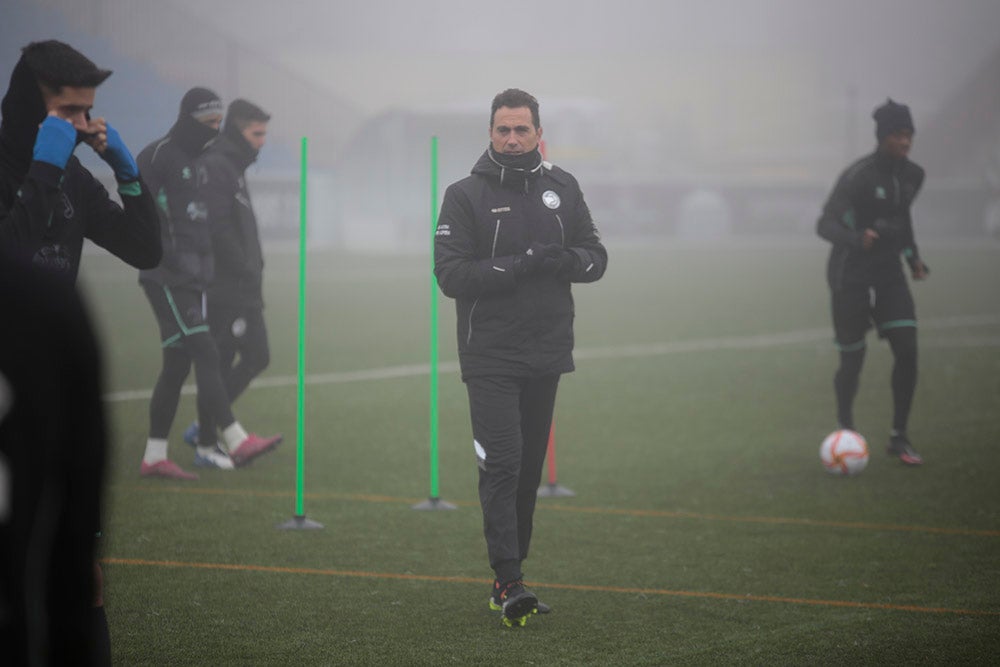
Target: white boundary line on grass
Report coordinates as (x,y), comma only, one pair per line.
(613,352)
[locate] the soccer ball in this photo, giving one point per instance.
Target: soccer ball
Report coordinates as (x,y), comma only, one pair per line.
(844,452)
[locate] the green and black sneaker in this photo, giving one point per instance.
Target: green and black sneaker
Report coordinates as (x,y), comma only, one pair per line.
(516,602)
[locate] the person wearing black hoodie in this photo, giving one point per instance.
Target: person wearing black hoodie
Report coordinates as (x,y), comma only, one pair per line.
(176,290)
(48,201)
(235,297)
(867,220)
(510,240)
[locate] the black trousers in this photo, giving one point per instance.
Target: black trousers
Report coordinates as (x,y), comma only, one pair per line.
(239,330)
(511,418)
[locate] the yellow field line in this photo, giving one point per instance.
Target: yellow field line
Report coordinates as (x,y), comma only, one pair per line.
(534,584)
(544,506)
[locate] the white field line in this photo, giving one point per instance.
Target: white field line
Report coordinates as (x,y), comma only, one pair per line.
(613,352)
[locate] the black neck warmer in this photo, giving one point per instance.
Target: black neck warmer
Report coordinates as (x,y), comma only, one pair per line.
(517,170)
(242,152)
(23,110)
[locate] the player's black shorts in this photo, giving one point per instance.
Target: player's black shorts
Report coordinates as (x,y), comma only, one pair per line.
(886,303)
(180,312)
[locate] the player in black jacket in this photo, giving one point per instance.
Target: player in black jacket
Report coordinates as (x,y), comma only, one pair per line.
(235,297)
(176,291)
(867,219)
(48,202)
(510,239)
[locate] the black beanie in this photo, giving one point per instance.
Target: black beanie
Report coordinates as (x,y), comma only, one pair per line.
(890,118)
(200,102)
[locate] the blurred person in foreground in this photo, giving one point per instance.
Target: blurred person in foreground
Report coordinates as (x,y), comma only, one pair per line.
(867,219)
(176,291)
(52,465)
(510,240)
(235,297)
(49,203)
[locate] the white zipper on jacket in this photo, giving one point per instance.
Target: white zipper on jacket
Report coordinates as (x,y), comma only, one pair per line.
(493,254)
(562,230)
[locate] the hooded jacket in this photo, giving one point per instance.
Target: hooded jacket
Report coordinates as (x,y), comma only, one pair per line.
(239,260)
(169,169)
(46,212)
(876,192)
(512,325)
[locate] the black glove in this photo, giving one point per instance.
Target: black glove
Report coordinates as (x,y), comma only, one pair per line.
(528,263)
(558,262)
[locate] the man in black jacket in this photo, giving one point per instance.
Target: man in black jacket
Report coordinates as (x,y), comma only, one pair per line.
(48,202)
(235,298)
(867,219)
(510,239)
(176,290)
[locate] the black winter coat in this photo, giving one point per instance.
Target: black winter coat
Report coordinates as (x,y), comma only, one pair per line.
(239,260)
(169,170)
(875,192)
(46,212)
(510,325)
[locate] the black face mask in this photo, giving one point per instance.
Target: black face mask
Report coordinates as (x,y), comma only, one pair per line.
(23,111)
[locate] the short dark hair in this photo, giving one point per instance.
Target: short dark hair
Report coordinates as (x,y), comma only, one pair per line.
(514,98)
(56,64)
(241,113)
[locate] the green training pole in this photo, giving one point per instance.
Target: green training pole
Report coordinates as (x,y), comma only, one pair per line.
(434,501)
(299,520)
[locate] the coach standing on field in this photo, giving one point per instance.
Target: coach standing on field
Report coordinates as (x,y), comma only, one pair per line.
(510,240)
(867,219)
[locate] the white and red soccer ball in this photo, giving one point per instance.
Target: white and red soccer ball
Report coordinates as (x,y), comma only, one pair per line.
(844,452)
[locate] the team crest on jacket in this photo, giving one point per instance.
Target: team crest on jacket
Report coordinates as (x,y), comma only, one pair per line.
(551,199)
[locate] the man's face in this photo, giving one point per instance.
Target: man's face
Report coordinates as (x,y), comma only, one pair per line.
(71,103)
(898,143)
(513,132)
(214,120)
(255,133)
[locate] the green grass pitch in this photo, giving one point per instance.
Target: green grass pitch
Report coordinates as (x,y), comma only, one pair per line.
(704,530)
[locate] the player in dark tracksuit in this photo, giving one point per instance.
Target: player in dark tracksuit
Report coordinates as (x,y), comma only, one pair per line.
(235,298)
(867,219)
(176,290)
(49,203)
(510,240)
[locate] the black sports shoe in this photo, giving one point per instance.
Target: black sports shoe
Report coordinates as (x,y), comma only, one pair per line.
(900,447)
(496,605)
(516,602)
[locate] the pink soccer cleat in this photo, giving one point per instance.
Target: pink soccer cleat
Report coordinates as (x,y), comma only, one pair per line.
(165,468)
(253,447)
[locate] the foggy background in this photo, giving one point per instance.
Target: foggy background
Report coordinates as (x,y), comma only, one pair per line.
(722,118)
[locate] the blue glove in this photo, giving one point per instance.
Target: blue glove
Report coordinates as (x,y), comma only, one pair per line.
(117,156)
(55,141)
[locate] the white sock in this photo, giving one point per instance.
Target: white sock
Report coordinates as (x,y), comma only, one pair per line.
(156,450)
(234,435)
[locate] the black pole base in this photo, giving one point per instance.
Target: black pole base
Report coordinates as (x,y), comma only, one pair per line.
(433,504)
(554,491)
(299,522)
